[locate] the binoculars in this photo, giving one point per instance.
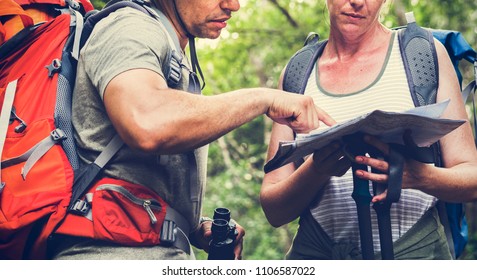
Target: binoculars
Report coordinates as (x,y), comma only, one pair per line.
(224,233)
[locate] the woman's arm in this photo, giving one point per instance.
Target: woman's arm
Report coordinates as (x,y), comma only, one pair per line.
(457,180)
(287,191)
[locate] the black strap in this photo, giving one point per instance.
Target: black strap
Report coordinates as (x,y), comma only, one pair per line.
(89,174)
(415,37)
(195,61)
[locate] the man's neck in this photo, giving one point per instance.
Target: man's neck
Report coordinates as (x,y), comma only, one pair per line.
(168,9)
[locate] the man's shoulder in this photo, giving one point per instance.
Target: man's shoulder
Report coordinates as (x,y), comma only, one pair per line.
(127,27)
(129,21)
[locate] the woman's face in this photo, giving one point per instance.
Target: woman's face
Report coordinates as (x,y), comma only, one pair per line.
(354,16)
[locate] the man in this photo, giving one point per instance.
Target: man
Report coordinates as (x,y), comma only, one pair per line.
(122,89)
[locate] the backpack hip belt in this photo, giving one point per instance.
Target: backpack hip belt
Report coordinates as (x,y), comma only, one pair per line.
(127,214)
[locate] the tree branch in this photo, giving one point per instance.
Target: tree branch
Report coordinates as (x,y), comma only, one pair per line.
(285,13)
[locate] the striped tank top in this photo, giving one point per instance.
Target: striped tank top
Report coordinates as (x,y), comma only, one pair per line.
(334,209)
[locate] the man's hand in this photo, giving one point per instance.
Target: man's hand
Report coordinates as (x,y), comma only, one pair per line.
(202,237)
(298,112)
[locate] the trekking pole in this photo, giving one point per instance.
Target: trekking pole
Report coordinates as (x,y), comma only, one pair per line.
(383,208)
(362,197)
(383,212)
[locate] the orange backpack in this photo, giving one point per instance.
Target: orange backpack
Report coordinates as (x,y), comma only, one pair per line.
(43,188)
(38,157)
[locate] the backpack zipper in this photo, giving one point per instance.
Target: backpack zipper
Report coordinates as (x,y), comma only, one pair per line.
(147,204)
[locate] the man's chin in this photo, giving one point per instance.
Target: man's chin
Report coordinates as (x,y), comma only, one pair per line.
(213,35)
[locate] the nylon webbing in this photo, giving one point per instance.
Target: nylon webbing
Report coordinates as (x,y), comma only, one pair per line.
(41,149)
(181,225)
(10,92)
(195,62)
(21,158)
(173,40)
(111,149)
(174,75)
(167,27)
(78,23)
(89,174)
(468,90)
(171,32)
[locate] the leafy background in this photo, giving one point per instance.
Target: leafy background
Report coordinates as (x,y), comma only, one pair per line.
(252,52)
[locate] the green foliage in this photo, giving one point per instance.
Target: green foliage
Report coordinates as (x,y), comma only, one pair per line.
(252,52)
(98,4)
(471,248)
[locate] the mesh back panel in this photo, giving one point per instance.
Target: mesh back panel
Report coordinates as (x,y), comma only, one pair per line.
(63,119)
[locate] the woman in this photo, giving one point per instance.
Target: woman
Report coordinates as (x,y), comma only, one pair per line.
(361,70)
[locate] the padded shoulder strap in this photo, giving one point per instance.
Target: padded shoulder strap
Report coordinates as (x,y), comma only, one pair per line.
(419,56)
(420,62)
(419,53)
(301,64)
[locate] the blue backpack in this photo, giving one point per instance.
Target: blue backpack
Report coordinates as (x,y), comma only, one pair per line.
(417,44)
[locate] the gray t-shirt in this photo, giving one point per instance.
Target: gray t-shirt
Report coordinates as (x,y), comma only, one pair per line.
(128,39)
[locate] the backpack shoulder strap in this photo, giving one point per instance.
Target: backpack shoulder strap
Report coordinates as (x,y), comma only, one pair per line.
(419,57)
(419,53)
(171,69)
(301,64)
(84,179)
(420,62)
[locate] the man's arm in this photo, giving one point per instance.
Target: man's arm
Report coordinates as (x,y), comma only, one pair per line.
(287,191)
(153,118)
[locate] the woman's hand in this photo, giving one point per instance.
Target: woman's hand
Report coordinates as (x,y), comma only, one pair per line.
(331,160)
(411,169)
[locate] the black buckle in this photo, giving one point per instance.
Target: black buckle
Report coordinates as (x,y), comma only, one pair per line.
(168,233)
(175,70)
(80,207)
(54,67)
(58,135)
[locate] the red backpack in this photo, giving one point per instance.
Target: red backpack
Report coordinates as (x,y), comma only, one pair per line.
(36,143)
(43,189)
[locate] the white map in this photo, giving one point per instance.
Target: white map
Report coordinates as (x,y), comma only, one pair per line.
(422,123)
